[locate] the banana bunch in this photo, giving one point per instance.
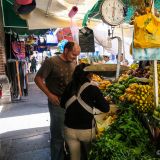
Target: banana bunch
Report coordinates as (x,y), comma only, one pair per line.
(141,96)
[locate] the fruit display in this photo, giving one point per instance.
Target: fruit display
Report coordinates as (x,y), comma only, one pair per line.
(123,77)
(140,95)
(101,83)
(125,134)
(96,78)
(134,66)
(139,72)
(84,60)
(116,90)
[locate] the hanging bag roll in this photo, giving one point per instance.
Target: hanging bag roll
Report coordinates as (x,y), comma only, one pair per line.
(147,31)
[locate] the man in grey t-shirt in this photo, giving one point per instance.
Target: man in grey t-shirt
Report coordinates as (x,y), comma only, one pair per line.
(52,78)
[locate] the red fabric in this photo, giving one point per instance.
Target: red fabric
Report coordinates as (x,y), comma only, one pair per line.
(65,33)
(24,2)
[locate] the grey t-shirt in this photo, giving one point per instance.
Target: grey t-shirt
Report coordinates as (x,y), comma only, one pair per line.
(57,74)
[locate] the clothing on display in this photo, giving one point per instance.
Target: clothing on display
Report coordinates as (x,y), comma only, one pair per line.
(86,40)
(41,44)
(65,33)
(8,48)
(17,75)
(51,40)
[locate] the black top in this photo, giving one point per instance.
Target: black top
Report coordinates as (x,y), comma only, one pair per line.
(86,40)
(76,116)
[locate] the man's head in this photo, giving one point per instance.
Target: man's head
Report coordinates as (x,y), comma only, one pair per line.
(106,56)
(125,63)
(71,51)
(121,57)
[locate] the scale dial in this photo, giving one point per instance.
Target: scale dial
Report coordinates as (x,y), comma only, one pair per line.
(112,12)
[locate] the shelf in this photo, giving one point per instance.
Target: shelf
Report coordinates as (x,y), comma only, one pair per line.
(107,70)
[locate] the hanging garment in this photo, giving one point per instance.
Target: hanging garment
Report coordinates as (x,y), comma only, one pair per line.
(51,40)
(41,45)
(86,40)
(18,47)
(146,54)
(147,31)
(31,40)
(8,47)
(11,72)
(65,33)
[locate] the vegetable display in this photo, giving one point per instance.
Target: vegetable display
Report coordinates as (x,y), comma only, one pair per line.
(125,139)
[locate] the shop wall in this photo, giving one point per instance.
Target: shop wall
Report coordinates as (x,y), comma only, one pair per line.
(2,46)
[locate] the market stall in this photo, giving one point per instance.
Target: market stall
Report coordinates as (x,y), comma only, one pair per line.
(132,130)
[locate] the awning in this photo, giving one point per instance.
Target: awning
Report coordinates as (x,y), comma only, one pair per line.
(10,19)
(51,21)
(48,14)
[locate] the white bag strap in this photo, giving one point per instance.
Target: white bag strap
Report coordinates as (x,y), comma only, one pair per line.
(93,110)
(74,98)
(85,105)
(70,101)
(85,85)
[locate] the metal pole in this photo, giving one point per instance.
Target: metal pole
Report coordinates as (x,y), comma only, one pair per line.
(89,61)
(123,43)
(155,74)
(48,6)
(2,13)
(155,81)
(119,53)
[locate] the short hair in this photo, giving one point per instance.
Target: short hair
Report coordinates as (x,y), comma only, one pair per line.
(120,55)
(79,74)
(106,56)
(69,46)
